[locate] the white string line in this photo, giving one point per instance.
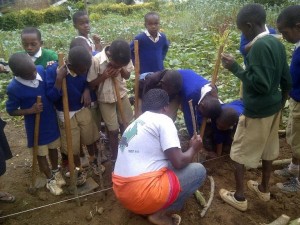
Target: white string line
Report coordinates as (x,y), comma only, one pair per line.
(55,203)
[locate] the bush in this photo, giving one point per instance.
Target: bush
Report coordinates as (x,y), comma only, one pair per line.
(31,18)
(271,2)
(55,14)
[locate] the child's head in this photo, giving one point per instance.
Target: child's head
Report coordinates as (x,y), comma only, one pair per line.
(31,40)
(171,82)
(152,23)
(210,106)
(251,20)
(81,23)
(227,119)
(80,42)
(22,66)
(79,60)
(288,23)
(118,54)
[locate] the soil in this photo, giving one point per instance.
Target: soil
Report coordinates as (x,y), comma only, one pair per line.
(17,179)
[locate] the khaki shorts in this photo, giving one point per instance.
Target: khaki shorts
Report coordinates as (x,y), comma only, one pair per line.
(112,117)
(83,130)
(96,114)
(255,139)
(293,128)
(43,150)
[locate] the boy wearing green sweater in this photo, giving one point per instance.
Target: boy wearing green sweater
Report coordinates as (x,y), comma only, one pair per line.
(266,82)
(32,43)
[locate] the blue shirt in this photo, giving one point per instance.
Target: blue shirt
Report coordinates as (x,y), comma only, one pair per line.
(295,73)
(75,86)
(21,96)
(152,55)
(224,136)
(191,90)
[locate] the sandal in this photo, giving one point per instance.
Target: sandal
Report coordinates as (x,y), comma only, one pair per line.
(6,197)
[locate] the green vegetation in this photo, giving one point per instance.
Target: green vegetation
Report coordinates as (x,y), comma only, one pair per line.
(193,28)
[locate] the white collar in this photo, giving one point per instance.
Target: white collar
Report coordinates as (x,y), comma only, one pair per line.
(103,56)
(262,34)
(297,45)
(38,54)
(153,39)
(30,83)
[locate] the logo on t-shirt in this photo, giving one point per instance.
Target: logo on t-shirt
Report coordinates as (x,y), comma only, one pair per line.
(130,133)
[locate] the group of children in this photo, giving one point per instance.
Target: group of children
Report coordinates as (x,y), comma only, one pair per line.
(95,78)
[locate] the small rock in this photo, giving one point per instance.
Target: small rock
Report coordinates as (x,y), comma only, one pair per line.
(89,217)
(100,210)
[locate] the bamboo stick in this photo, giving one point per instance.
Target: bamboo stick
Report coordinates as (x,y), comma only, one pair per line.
(35,143)
(119,103)
(67,125)
(137,78)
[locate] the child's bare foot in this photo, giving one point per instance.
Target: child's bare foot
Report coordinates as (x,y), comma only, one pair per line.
(160,218)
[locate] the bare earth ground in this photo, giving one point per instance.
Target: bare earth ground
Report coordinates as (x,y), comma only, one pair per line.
(18,175)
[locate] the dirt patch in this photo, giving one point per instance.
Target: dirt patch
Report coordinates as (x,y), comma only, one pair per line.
(17,180)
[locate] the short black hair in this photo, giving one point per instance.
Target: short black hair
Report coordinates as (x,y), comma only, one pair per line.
(150,14)
(212,107)
(252,13)
(79,41)
(290,16)
(173,79)
(228,116)
(20,63)
(120,52)
(77,15)
(79,56)
(32,30)
(154,100)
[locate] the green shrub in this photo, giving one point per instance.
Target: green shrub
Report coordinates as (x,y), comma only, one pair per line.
(271,2)
(11,21)
(31,18)
(55,14)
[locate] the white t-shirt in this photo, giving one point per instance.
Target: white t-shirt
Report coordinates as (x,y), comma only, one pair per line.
(142,146)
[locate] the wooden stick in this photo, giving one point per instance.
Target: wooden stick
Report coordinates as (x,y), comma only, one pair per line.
(67,125)
(137,78)
(36,142)
(119,102)
(211,196)
(277,162)
(193,117)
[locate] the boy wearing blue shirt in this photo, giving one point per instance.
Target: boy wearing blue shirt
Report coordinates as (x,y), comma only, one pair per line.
(83,128)
(28,83)
(224,125)
(153,45)
(288,24)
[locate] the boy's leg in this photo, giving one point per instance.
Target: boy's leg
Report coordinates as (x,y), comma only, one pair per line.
(128,113)
(239,171)
(44,167)
(266,174)
(110,117)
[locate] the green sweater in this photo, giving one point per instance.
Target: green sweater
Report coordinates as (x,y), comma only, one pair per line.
(47,56)
(266,78)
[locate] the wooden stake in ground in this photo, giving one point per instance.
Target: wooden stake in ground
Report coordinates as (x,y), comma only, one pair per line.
(137,78)
(67,125)
(35,144)
(193,117)
(119,102)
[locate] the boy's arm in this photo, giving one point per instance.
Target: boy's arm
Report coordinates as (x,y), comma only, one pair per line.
(97,41)
(165,48)
(53,83)
(285,83)
(36,108)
